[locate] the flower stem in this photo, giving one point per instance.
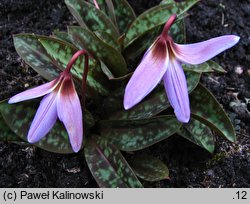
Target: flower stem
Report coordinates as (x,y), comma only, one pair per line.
(96,4)
(84,78)
(168,25)
(74,58)
(85,72)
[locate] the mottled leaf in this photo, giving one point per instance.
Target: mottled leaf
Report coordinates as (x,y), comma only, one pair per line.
(132,135)
(193,80)
(102,5)
(89,17)
(155,17)
(111,11)
(113,59)
(19,116)
(109,39)
(204,67)
(149,168)
(198,133)
(61,52)
(141,44)
(206,109)
(114,102)
(88,119)
(179,3)
(6,134)
(209,66)
(62,36)
(119,11)
(167,1)
(178,31)
(215,66)
(124,14)
(155,103)
(108,166)
(32,52)
(110,76)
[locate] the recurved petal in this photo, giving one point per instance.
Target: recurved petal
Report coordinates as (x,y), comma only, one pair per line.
(44,119)
(35,92)
(147,75)
(70,113)
(176,87)
(200,52)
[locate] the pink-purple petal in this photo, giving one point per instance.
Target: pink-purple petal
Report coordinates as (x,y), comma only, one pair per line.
(176,87)
(35,92)
(200,52)
(70,113)
(150,48)
(147,75)
(44,119)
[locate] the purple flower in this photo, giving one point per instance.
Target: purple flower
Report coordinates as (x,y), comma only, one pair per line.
(163,61)
(60,101)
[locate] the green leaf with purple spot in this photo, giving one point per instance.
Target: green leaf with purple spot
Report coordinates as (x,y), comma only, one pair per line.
(64,36)
(124,14)
(102,5)
(155,17)
(102,51)
(149,168)
(109,39)
(209,66)
(6,135)
(153,104)
(168,1)
(141,44)
(133,135)
(108,166)
(206,109)
(215,66)
(89,17)
(61,52)
(32,52)
(182,5)
(110,76)
(178,32)
(119,11)
(146,40)
(19,117)
(111,11)
(200,68)
(198,133)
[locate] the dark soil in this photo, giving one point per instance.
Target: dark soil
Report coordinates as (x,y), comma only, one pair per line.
(190,166)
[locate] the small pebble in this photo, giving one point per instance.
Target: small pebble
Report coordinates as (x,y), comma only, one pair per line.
(210,173)
(248,71)
(26,85)
(238,70)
